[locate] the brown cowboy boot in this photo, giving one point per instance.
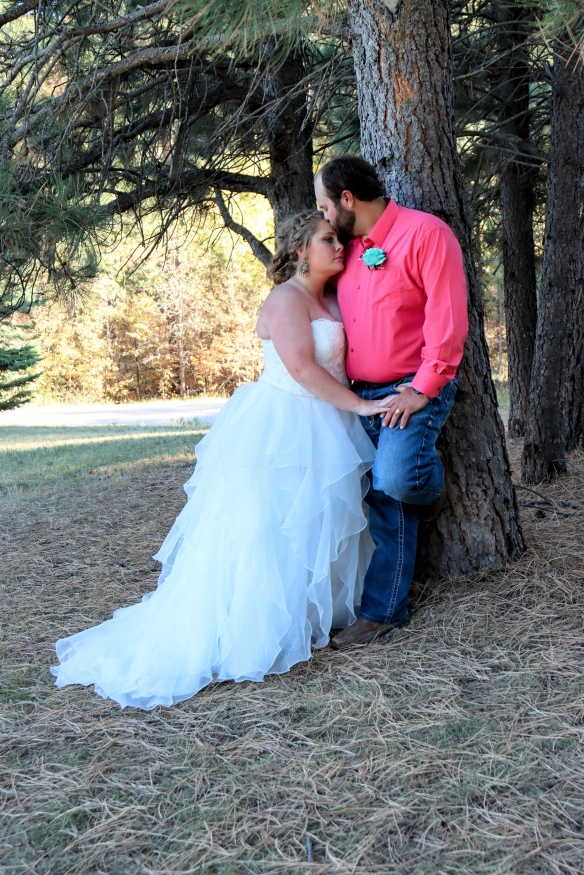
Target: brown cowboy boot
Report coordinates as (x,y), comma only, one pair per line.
(365,632)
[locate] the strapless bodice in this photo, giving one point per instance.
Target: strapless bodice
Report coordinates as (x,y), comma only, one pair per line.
(329,352)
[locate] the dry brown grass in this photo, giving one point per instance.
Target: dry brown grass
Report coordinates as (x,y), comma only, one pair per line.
(455,747)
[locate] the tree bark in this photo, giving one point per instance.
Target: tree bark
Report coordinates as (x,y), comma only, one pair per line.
(555,364)
(574,401)
(290,186)
(516,200)
(404,78)
(290,143)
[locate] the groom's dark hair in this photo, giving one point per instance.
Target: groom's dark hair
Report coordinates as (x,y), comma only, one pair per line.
(350,173)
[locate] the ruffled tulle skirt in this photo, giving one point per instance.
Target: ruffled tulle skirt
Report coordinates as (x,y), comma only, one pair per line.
(267,555)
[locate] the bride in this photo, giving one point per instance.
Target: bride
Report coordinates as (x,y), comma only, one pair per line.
(271,548)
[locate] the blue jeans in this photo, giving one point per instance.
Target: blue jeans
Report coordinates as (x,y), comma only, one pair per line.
(407,472)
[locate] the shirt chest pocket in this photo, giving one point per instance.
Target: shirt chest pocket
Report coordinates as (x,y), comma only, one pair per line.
(386,289)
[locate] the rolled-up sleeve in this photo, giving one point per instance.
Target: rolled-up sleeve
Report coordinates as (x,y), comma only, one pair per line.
(445,317)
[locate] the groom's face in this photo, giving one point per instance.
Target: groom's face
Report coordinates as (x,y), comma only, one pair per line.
(340,216)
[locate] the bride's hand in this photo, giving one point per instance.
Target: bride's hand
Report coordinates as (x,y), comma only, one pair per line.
(371,408)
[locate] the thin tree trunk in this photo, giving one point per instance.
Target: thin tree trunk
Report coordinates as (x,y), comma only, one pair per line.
(180,339)
(554,363)
(516,199)
(137,363)
(181,365)
(404,77)
(289,133)
(574,400)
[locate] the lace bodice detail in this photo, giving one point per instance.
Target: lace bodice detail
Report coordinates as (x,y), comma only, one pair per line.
(329,351)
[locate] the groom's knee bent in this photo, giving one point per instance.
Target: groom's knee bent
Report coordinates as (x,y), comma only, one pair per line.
(400,485)
(416,486)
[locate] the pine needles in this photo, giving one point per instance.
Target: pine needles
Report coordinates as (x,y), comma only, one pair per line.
(455,747)
(17,360)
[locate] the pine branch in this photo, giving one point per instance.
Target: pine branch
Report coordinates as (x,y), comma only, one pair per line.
(261,252)
(17,11)
(515,144)
(152,57)
(193,110)
(187,183)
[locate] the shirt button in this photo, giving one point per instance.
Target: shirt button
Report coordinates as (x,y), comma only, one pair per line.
(358,287)
(352,350)
(354,320)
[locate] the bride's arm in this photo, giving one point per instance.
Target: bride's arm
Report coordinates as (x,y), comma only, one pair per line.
(288,322)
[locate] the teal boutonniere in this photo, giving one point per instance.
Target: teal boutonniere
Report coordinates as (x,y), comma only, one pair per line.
(373,258)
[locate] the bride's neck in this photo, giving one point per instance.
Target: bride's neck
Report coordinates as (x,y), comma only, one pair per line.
(315,286)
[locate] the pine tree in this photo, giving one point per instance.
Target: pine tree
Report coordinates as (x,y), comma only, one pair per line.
(117,112)
(555,412)
(16,362)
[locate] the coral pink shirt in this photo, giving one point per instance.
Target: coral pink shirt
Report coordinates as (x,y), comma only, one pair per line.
(410,315)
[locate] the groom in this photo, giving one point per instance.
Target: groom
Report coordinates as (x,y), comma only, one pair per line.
(402,297)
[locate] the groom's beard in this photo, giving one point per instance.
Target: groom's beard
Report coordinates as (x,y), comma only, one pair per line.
(344,224)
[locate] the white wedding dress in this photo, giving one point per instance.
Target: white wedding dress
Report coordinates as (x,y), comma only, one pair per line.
(267,555)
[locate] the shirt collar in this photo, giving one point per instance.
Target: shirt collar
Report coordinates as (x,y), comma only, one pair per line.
(381,229)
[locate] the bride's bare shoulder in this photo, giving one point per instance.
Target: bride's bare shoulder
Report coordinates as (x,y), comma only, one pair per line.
(286,295)
(283,302)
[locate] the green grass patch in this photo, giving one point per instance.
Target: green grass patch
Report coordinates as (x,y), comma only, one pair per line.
(33,456)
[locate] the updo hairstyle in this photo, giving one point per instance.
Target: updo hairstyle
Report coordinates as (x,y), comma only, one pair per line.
(295,233)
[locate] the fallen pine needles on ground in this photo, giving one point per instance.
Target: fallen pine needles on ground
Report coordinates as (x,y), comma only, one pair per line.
(454,747)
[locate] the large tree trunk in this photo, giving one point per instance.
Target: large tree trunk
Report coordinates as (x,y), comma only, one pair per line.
(574,398)
(555,360)
(404,78)
(289,133)
(516,199)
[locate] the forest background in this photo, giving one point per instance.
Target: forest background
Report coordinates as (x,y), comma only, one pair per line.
(181,323)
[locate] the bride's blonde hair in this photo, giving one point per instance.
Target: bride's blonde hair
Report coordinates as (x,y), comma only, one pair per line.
(295,233)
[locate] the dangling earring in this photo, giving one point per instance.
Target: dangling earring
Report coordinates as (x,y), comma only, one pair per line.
(303,270)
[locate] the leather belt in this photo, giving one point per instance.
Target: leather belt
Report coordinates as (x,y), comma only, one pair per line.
(364,384)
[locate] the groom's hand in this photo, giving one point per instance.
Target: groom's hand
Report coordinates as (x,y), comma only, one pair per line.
(401,407)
